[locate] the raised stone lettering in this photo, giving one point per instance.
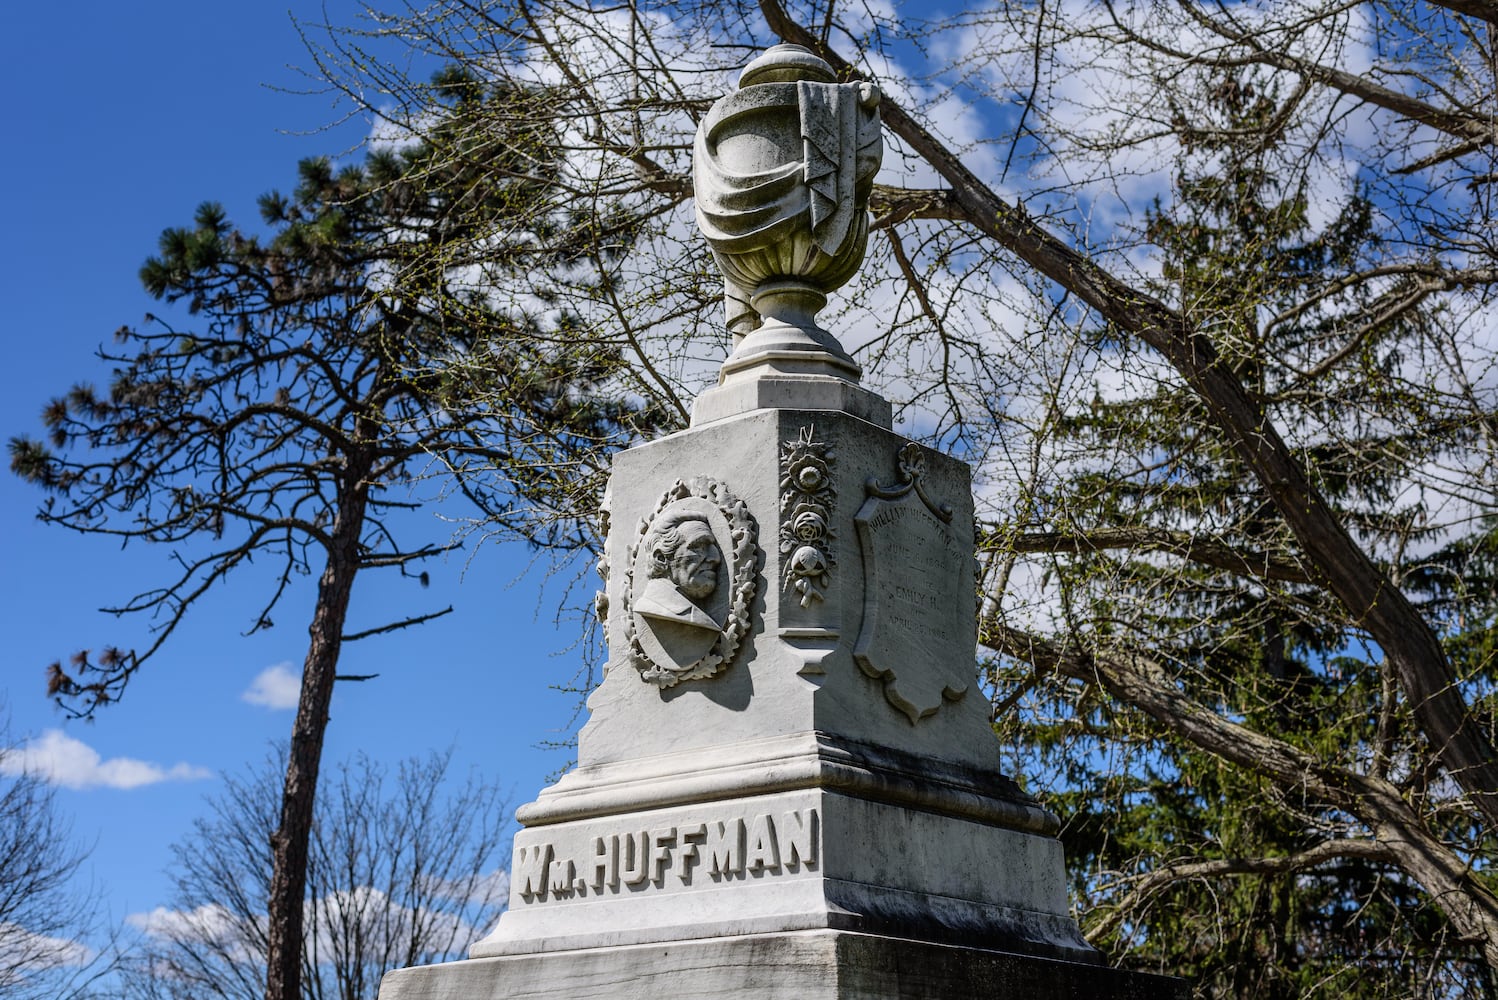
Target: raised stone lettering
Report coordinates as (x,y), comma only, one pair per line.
(531,869)
(687,839)
(764,852)
(798,838)
(725,847)
(661,842)
(635,867)
(605,862)
(762,844)
(563,876)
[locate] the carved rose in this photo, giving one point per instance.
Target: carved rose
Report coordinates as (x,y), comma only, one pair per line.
(807,494)
(809,524)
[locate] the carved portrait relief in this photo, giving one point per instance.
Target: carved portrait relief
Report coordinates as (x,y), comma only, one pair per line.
(682,563)
(690,583)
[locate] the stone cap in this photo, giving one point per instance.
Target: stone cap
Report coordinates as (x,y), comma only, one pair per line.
(790,391)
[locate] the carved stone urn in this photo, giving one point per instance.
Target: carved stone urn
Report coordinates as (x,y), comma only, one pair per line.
(782,175)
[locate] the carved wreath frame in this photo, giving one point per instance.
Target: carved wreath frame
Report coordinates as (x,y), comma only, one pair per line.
(743,533)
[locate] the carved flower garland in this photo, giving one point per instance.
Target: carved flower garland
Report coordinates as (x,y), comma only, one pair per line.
(806,496)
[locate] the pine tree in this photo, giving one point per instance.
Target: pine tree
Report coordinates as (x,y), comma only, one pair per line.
(1249,887)
(316,382)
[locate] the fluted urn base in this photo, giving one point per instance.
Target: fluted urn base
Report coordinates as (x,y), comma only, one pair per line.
(789,341)
(789,361)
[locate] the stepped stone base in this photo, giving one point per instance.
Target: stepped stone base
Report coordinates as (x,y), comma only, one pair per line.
(789,834)
(796,965)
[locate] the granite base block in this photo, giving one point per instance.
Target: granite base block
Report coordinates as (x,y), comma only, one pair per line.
(798,965)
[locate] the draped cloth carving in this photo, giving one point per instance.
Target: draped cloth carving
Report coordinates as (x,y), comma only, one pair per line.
(782,175)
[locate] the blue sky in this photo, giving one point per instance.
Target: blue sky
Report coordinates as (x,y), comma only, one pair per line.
(124,118)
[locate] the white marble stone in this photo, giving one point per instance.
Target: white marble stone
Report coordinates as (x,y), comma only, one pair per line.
(797,671)
(792,965)
(782,171)
(769,390)
(853,701)
(802,859)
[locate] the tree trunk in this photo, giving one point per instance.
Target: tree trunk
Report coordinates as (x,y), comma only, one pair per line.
(289,843)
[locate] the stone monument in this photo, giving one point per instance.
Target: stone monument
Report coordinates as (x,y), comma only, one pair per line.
(788,785)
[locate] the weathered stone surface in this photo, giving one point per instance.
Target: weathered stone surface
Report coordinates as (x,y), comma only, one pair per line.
(782,171)
(797,671)
(796,965)
(864,733)
(911,551)
(808,858)
(690,581)
(745,392)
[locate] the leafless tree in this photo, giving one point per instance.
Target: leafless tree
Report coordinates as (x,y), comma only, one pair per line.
(275,430)
(406,869)
(47,916)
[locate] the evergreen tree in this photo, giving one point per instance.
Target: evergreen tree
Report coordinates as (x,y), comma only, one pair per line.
(1250,887)
(286,427)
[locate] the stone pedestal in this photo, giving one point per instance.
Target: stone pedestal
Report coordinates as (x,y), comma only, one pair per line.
(788,785)
(839,772)
(795,965)
(821,813)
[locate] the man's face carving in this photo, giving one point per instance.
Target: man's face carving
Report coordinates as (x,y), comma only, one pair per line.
(694,564)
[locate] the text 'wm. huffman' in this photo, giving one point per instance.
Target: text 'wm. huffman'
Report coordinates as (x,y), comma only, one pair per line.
(763,844)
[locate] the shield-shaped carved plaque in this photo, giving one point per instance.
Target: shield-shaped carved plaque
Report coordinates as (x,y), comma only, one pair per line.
(913,575)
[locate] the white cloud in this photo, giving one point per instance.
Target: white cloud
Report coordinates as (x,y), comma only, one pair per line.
(380,919)
(20,948)
(59,759)
(489,889)
(205,923)
(210,924)
(275,687)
